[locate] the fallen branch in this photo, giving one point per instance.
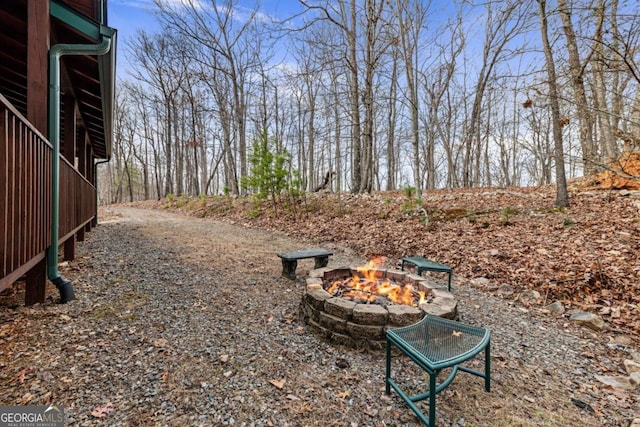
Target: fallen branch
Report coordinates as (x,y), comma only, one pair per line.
(327,180)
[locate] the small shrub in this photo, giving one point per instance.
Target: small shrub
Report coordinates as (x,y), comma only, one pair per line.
(568,222)
(254,213)
(509,212)
(506,214)
(181,202)
(409,192)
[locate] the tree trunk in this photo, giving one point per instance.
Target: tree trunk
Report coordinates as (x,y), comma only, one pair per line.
(354,98)
(501,28)
(635,124)
(409,25)
(337,136)
(609,148)
(168,183)
(577,83)
(392,118)
(562,195)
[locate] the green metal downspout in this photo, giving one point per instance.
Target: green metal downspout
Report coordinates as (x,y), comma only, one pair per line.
(65,287)
(101,16)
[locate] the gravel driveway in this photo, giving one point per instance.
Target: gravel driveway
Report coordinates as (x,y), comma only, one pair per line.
(184,322)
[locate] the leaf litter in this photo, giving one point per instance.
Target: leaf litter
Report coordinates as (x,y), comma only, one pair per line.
(149,349)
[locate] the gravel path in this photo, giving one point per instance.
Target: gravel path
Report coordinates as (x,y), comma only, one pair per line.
(182,321)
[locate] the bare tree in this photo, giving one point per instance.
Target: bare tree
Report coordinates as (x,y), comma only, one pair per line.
(576,68)
(392,119)
(362,65)
(437,79)
(633,143)
(232,49)
(379,94)
(562,195)
(309,74)
(539,144)
(410,19)
(376,45)
(503,25)
(156,66)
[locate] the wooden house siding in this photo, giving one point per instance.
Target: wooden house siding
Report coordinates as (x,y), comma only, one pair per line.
(29,32)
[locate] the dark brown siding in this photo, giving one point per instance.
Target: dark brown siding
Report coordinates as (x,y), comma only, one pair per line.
(25,196)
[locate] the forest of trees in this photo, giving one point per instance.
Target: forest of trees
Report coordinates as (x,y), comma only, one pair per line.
(375,95)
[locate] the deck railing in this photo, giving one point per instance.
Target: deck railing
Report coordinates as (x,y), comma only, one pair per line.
(25,196)
(77,201)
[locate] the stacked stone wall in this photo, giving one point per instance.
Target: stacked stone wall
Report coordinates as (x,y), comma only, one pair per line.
(362,325)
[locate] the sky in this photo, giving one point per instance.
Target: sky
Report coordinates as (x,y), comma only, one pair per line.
(129,16)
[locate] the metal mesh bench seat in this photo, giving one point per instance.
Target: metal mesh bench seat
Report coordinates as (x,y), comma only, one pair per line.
(425,264)
(435,344)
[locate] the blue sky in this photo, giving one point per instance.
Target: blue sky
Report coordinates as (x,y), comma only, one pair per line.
(128,16)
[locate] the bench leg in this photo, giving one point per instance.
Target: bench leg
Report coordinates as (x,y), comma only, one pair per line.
(321,261)
(432,398)
(487,367)
(410,400)
(387,375)
(449,281)
(289,269)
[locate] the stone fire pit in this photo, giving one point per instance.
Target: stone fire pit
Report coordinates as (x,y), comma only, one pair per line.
(363,325)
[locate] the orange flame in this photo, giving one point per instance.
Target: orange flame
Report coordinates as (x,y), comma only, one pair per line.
(367,286)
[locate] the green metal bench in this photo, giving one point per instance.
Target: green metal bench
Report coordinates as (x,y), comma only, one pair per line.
(425,264)
(290,260)
(435,344)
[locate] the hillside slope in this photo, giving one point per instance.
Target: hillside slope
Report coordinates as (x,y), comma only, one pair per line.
(585,256)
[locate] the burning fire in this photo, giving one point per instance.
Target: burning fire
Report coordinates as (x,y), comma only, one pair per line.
(368,287)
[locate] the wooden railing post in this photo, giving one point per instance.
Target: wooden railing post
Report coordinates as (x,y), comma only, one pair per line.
(80,235)
(38,21)
(37,83)
(70,249)
(36,285)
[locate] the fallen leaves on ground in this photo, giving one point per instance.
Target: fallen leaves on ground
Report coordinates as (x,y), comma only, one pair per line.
(279,384)
(584,256)
(23,373)
(102,411)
